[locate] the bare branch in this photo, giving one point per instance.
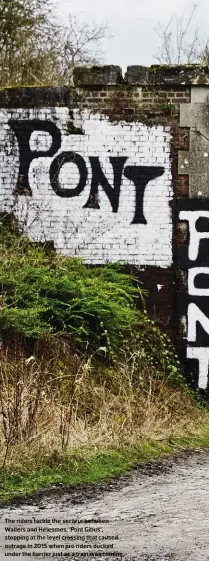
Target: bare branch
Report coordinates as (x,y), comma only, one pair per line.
(36,48)
(179,42)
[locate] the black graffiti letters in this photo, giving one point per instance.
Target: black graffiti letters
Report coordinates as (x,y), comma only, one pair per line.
(64,158)
(139,175)
(98,178)
(23,131)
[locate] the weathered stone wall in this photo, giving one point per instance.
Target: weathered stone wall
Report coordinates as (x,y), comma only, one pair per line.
(116,169)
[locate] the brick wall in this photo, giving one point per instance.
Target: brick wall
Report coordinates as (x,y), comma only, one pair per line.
(94,168)
(93,192)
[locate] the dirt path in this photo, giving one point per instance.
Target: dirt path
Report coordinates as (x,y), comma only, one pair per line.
(160,512)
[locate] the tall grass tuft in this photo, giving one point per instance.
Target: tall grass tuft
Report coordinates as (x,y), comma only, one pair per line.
(71,401)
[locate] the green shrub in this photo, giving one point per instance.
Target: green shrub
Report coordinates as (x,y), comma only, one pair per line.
(42,293)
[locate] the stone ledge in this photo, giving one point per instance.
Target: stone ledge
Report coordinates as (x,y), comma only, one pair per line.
(165,75)
(97,75)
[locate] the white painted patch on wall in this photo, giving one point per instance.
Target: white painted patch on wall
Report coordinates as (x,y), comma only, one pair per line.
(195,235)
(96,235)
(196,315)
(192,274)
(202,355)
(183,320)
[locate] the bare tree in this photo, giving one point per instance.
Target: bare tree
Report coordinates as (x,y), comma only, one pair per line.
(22,23)
(80,43)
(36,49)
(180,39)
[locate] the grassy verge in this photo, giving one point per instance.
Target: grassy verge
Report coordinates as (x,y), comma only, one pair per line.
(89,386)
(71,420)
(92,467)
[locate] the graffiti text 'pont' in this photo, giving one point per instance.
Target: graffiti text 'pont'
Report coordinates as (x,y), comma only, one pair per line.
(139,175)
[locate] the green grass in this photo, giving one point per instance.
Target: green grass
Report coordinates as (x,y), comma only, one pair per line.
(90,467)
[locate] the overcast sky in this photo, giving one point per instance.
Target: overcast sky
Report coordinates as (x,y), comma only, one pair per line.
(132,24)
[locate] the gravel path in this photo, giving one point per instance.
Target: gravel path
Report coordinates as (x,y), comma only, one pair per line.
(160,512)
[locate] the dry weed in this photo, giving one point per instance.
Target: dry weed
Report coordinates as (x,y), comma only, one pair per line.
(56,400)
